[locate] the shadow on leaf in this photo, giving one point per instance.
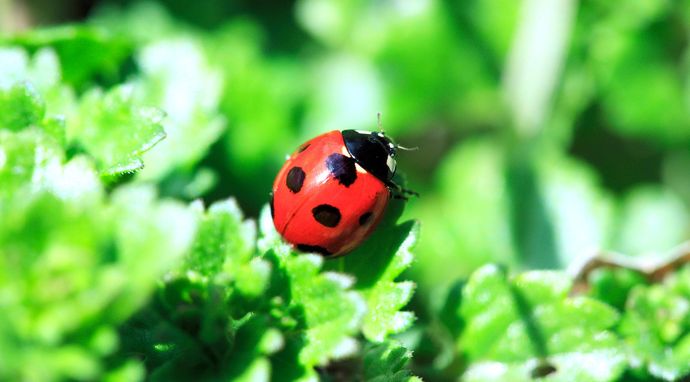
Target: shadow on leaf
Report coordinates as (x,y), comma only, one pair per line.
(370,260)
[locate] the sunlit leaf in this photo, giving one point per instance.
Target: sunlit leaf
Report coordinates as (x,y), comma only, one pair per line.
(116,131)
(386,362)
(655,327)
(526,327)
(84,51)
(376,266)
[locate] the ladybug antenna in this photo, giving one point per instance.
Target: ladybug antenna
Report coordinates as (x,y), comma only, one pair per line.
(407,148)
(378,119)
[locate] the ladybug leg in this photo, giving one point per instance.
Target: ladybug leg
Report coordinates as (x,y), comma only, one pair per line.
(406,191)
(400,196)
(400,192)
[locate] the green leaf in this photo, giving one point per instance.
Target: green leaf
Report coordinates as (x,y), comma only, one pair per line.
(33,91)
(107,125)
(656,327)
(613,285)
(467,234)
(114,130)
(130,371)
(142,22)
(577,214)
(24,156)
(526,327)
(175,76)
(20,107)
(387,362)
(42,68)
(652,219)
(330,312)
(31,163)
(642,73)
(221,348)
(224,249)
(223,237)
(84,51)
(375,265)
(68,277)
(496,22)
(219,290)
(162,230)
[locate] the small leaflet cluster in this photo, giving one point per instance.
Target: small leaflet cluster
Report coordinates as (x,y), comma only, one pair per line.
(118,283)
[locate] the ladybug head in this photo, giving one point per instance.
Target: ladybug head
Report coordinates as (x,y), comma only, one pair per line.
(374,151)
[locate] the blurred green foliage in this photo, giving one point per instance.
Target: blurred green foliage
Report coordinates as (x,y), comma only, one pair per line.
(547,131)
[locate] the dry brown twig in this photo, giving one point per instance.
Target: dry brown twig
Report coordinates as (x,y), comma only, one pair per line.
(653,267)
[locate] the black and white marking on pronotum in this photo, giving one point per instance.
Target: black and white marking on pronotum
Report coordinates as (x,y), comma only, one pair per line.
(342,168)
(374,152)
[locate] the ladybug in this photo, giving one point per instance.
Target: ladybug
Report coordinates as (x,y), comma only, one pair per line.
(332,192)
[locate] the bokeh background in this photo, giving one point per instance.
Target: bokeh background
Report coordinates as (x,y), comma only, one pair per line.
(547,130)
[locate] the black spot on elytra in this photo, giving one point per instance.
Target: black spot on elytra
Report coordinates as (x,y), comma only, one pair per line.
(295,178)
(313,249)
(365,218)
(273,214)
(303,147)
(342,168)
(326,214)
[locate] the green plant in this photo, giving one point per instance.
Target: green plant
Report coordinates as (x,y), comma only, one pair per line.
(137,149)
(114,273)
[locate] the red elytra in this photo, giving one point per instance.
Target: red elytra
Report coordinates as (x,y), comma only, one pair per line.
(324,200)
